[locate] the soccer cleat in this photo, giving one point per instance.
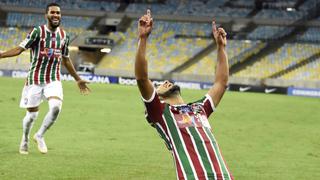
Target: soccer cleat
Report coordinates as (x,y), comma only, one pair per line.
(42,147)
(23,147)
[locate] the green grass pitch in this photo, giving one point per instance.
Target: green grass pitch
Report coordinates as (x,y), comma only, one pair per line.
(104,136)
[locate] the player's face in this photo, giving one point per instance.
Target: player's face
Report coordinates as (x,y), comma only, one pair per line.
(164,87)
(167,89)
(54,16)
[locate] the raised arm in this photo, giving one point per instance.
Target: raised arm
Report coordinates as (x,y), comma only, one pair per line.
(222,68)
(12,52)
(81,83)
(141,64)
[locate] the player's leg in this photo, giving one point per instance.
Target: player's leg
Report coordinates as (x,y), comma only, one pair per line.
(51,116)
(31,99)
(55,105)
(27,123)
(53,92)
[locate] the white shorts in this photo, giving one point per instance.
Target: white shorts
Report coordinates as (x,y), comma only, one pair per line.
(33,95)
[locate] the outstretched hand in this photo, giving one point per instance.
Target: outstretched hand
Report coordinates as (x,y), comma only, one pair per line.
(145,25)
(219,35)
(82,84)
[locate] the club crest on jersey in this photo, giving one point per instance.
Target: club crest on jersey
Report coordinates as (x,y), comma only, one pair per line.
(190,116)
(49,52)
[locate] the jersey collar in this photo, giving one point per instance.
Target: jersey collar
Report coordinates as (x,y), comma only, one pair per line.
(47,29)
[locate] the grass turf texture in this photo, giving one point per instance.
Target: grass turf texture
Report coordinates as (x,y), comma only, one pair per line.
(105,136)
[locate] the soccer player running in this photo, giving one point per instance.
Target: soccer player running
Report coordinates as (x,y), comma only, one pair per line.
(49,48)
(184,126)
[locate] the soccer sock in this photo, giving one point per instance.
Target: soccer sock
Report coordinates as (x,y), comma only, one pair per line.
(51,116)
(27,123)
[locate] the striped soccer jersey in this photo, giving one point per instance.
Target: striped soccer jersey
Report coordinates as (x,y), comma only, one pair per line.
(187,134)
(46,49)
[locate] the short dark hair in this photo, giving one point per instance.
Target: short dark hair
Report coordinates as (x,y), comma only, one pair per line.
(50,5)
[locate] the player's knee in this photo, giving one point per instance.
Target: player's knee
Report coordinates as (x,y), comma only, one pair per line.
(32,115)
(55,111)
(55,107)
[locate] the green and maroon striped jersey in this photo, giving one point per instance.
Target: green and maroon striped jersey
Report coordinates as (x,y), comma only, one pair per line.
(188,135)
(46,51)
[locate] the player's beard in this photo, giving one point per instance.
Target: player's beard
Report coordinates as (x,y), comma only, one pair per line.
(54,25)
(173,91)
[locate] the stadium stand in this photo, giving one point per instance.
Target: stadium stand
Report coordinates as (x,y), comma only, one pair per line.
(206,66)
(269,32)
(308,72)
(10,38)
(311,35)
(286,56)
(67,4)
(307,5)
(174,42)
(212,8)
(30,20)
(166,51)
(280,14)
(244,3)
(73,24)
(169,7)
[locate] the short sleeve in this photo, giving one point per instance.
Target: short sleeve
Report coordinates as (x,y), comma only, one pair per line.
(30,39)
(65,48)
(207,104)
(154,108)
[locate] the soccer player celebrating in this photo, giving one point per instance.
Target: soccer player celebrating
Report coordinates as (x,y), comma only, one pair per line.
(184,126)
(49,48)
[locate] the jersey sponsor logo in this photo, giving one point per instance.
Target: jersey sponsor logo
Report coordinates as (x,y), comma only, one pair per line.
(51,52)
